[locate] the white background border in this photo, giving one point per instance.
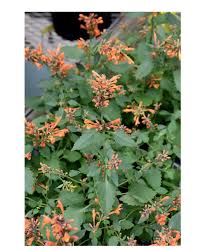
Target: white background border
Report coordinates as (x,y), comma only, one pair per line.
(12,111)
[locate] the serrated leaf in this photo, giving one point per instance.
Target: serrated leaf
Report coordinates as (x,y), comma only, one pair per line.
(113,241)
(126,224)
(106,194)
(123,139)
(153,178)
(112,111)
(72,52)
(71,156)
(71,198)
(141,192)
(130,200)
(73,173)
(120,68)
(75,213)
(175,222)
(29,181)
(88,138)
(144,69)
(45,152)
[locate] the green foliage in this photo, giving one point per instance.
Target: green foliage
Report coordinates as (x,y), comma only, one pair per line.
(106,194)
(110,163)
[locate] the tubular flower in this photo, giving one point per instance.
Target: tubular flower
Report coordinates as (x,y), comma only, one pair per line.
(60,228)
(46,134)
(101,126)
(91,24)
(139,112)
(82,44)
(167,237)
(116,51)
(161,218)
(114,163)
(54,60)
(70,113)
(34,56)
(147,210)
(32,233)
(161,157)
(104,89)
(117,210)
(28,156)
(154,82)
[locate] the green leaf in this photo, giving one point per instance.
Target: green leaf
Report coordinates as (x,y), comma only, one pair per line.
(153,177)
(72,52)
(28,148)
(29,181)
(120,68)
(71,198)
(175,222)
(113,241)
(71,156)
(130,200)
(141,192)
(45,152)
(112,111)
(144,69)
(106,194)
(123,139)
(126,224)
(75,213)
(87,139)
(73,173)
(177,79)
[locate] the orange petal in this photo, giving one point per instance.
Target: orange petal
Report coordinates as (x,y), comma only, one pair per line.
(60,206)
(66,237)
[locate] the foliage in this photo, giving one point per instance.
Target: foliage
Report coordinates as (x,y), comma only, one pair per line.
(104,145)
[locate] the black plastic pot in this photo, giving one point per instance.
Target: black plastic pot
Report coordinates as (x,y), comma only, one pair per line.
(67,25)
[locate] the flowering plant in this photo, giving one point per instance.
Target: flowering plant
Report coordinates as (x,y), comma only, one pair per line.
(102,155)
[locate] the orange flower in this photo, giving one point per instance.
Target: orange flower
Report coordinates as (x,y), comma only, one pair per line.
(82,44)
(161,219)
(116,51)
(46,220)
(114,163)
(66,237)
(154,82)
(28,155)
(91,24)
(104,89)
(48,233)
(60,206)
(45,134)
(139,112)
(117,210)
(165,198)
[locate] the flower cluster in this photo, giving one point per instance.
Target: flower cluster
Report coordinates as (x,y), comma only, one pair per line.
(104,89)
(167,237)
(139,112)
(45,169)
(97,217)
(82,44)
(60,229)
(154,82)
(161,157)
(32,231)
(91,24)
(54,60)
(172,47)
(114,162)
(45,134)
(101,126)
(70,113)
(116,51)
(161,218)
